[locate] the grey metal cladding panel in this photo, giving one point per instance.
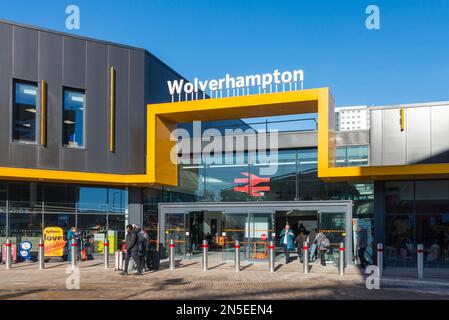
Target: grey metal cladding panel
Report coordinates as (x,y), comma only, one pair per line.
(375,152)
(73,159)
(137,113)
(5,92)
(25,57)
(159,74)
(6,48)
(74,62)
(50,66)
(440,134)
(119,58)
(393,139)
(24,155)
(297,140)
(352,138)
(417,128)
(97,99)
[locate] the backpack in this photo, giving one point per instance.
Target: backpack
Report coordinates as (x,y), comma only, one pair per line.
(325,243)
(141,243)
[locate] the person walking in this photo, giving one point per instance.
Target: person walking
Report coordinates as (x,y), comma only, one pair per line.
(71,237)
(132,248)
(322,243)
(287,237)
(300,239)
(311,240)
(143,239)
(362,243)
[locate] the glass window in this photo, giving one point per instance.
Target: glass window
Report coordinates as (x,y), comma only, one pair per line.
(357,156)
(281,184)
(352,156)
(24,112)
(92,200)
(399,246)
(73,118)
(399,196)
(340,160)
(432,196)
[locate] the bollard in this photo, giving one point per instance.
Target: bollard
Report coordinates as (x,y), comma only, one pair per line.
(116,261)
(106,253)
(237,256)
(341,259)
(305,259)
(8,254)
(271,262)
(380,258)
(172,255)
(73,255)
(41,254)
(205,250)
(420,254)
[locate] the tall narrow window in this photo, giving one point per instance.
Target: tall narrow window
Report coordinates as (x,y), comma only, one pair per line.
(24,112)
(73,118)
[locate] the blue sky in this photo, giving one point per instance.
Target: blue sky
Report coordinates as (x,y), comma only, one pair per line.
(406,61)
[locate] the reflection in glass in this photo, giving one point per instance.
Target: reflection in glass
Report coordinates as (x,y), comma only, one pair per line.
(24,112)
(399,234)
(73,118)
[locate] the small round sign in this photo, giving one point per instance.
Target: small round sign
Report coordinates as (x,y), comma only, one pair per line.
(23,253)
(26,245)
(263,237)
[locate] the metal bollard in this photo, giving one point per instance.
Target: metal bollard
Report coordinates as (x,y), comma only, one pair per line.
(172,254)
(73,255)
(341,259)
(271,262)
(420,254)
(8,253)
(380,258)
(118,262)
(305,257)
(41,254)
(205,251)
(237,255)
(106,253)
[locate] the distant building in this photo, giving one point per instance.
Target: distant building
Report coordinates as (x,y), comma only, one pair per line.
(351,118)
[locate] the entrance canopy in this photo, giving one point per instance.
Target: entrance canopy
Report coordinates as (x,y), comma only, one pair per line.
(173,223)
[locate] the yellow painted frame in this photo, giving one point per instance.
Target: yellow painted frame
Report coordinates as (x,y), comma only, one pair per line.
(112,110)
(43,113)
(164,117)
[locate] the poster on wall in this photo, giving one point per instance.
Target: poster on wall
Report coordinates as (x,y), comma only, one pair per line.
(365,223)
(54,242)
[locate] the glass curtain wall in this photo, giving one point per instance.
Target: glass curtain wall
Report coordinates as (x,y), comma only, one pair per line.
(417,212)
(26,209)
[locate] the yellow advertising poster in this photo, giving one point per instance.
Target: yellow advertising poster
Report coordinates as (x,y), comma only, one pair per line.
(54,242)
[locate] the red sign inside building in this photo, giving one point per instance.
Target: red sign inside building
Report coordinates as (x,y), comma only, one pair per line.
(252,184)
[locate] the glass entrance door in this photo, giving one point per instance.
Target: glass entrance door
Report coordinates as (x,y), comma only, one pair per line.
(175,229)
(194,232)
(235,228)
(333,225)
(259,235)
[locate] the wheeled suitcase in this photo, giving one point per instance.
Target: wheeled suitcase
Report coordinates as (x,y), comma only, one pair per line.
(153,259)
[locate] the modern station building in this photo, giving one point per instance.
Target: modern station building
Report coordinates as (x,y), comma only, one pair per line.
(85,142)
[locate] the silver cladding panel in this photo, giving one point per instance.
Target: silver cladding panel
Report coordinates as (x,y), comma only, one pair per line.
(425,138)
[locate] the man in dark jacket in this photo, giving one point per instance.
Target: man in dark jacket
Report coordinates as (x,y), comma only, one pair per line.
(132,248)
(300,239)
(362,243)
